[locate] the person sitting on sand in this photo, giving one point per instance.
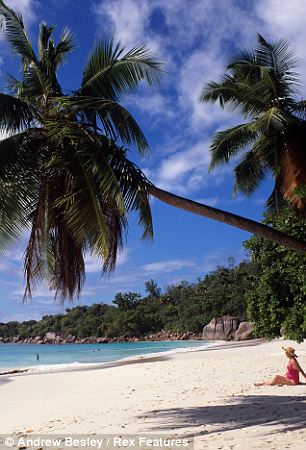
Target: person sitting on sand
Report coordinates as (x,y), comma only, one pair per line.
(292,375)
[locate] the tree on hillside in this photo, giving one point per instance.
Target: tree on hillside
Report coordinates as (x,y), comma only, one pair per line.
(126,301)
(64,171)
(152,288)
(263,85)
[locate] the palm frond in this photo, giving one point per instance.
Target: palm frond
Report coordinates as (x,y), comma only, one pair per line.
(51,56)
(111,72)
(15,114)
(256,80)
(274,120)
(66,252)
(226,144)
(266,148)
(16,34)
(19,148)
(224,91)
(93,215)
(93,145)
(15,87)
(249,173)
(19,179)
(105,174)
(65,45)
(134,188)
(298,108)
(245,66)
(37,85)
(35,256)
(234,95)
(116,121)
(44,35)
(68,263)
(276,201)
(278,56)
(88,164)
(269,66)
(53,253)
(13,210)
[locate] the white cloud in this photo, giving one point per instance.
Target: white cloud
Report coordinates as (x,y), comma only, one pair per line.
(186,171)
(283,17)
(127,19)
(170,265)
(174,168)
(129,22)
(153,105)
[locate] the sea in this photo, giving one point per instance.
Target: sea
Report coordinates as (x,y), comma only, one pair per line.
(58,357)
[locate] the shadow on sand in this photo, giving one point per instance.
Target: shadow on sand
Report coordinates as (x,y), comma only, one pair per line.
(4,380)
(289,412)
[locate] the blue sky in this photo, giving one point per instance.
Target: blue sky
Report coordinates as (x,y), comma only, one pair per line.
(194,38)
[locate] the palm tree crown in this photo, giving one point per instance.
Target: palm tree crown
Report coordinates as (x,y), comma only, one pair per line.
(262,84)
(64,174)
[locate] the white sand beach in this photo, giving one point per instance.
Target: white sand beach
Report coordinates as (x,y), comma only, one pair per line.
(206,394)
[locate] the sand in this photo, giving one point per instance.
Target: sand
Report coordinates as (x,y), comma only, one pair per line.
(206,394)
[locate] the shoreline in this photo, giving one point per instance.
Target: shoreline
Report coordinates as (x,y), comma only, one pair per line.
(136,359)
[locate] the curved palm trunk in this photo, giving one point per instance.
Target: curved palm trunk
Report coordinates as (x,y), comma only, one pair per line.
(245,224)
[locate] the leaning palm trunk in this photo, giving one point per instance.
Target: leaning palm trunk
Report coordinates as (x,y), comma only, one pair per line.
(229,218)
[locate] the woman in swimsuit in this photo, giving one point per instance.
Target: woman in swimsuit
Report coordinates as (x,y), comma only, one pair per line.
(292,375)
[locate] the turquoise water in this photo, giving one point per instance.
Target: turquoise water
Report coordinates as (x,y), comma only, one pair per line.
(24,355)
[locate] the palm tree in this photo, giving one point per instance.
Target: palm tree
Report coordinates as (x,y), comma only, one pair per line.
(64,171)
(262,84)
(62,175)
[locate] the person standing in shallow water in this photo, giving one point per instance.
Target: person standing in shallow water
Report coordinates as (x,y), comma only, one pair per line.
(37,357)
(293,371)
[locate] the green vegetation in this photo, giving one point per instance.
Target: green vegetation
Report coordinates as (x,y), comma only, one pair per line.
(182,308)
(277,298)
